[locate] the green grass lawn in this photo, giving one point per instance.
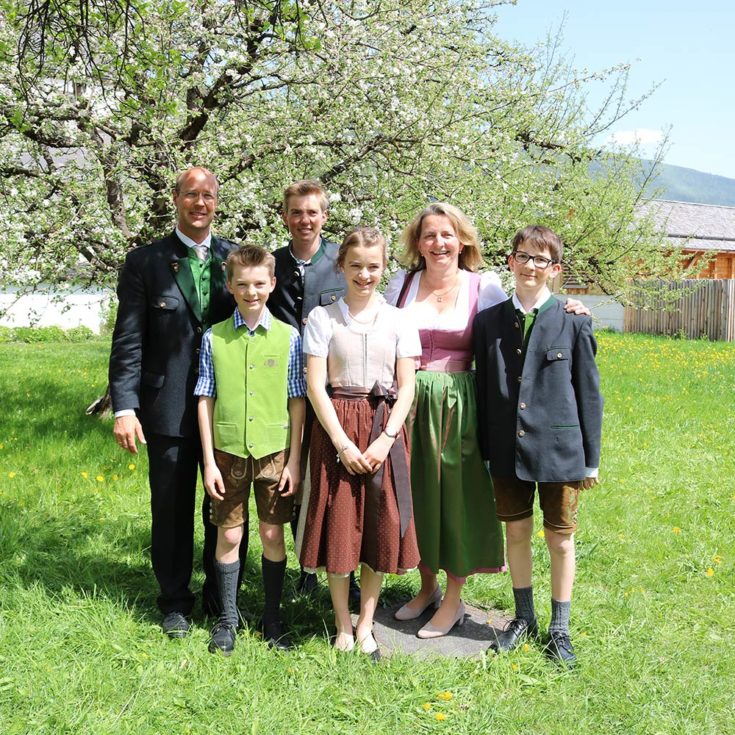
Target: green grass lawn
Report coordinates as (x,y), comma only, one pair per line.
(653,617)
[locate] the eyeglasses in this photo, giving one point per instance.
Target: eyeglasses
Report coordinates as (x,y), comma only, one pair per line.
(538,260)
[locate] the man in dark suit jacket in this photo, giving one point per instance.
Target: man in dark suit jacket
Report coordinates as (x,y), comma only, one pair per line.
(169,293)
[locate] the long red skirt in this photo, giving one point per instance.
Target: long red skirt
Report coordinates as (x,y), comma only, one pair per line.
(347,521)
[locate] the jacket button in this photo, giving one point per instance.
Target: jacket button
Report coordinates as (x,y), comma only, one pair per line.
(559,355)
(519,351)
(520,379)
(304,320)
(332,298)
(523,405)
(250,418)
(299,298)
(199,330)
(521,433)
(162,304)
(297,274)
(516,325)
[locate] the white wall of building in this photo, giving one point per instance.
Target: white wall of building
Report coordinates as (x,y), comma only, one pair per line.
(47,308)
(606,312)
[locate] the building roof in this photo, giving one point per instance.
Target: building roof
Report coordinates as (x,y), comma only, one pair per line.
(694,226)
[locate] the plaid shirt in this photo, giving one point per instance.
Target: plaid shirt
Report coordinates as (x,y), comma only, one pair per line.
(206,385)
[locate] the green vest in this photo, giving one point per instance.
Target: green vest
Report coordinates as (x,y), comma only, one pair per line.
(251,375)
(201,272)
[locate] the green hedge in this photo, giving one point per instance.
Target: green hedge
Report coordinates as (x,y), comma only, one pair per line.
(47,334)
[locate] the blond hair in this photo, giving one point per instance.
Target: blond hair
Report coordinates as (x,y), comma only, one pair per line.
(470,257)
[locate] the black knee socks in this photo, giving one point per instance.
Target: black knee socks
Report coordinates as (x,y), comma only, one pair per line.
(273,574)
(227,580)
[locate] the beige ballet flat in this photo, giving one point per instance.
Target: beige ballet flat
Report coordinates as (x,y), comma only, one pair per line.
(432,631)
(411,613)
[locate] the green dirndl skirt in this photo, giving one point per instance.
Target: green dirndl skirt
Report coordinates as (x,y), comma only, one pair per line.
(453,501)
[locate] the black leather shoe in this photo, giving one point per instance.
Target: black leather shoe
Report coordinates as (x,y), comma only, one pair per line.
(176,625)
(559,649)
(222,638)
(514,632)
(307,584)
(276,636)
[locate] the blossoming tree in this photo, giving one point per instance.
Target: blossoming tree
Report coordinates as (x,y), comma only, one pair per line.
(389,103)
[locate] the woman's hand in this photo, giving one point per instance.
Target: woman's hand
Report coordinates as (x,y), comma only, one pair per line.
(574,306)
(376,453)
(353,460)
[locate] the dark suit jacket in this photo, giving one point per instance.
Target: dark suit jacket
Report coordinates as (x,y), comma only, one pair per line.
(154,360)
(291,302)
(539,419)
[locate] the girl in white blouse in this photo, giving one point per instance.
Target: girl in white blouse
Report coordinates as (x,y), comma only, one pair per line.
(361,355)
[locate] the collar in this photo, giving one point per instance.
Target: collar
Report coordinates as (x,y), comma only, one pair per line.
(346,309)
(544,296)
(314,258)
(206,242)
(265,320)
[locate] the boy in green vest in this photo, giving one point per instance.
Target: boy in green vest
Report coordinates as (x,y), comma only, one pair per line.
(251,392)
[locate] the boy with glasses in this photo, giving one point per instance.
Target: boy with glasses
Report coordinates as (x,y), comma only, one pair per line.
(540,420)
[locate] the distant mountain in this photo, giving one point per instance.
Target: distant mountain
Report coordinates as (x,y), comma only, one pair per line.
(680,184)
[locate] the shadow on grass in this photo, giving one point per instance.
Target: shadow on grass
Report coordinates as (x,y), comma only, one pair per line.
(94,560)
(57,410)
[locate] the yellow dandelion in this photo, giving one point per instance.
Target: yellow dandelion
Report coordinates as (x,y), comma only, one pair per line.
(85,475)
(114,477)
(676,529)
(525,648)
(444,696)
(100,478)
(440,717)
(2,446)
(540,534)
(426,706)
(717,559)
(515,666)
(131,466)
(11,475)
(710,572)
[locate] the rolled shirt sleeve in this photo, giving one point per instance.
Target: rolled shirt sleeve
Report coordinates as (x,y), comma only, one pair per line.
(206,385)
(296,376)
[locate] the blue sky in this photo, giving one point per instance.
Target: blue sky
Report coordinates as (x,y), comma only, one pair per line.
(689,47)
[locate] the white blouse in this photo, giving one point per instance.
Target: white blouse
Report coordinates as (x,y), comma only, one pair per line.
(320,328)
(423,314)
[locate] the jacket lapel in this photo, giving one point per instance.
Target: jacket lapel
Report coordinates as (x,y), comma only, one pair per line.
(217,275)
(184,278)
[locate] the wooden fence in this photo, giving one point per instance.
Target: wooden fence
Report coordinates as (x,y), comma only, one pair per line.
(706,308)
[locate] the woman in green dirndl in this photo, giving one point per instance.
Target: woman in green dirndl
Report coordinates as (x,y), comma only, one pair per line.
(454,505)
